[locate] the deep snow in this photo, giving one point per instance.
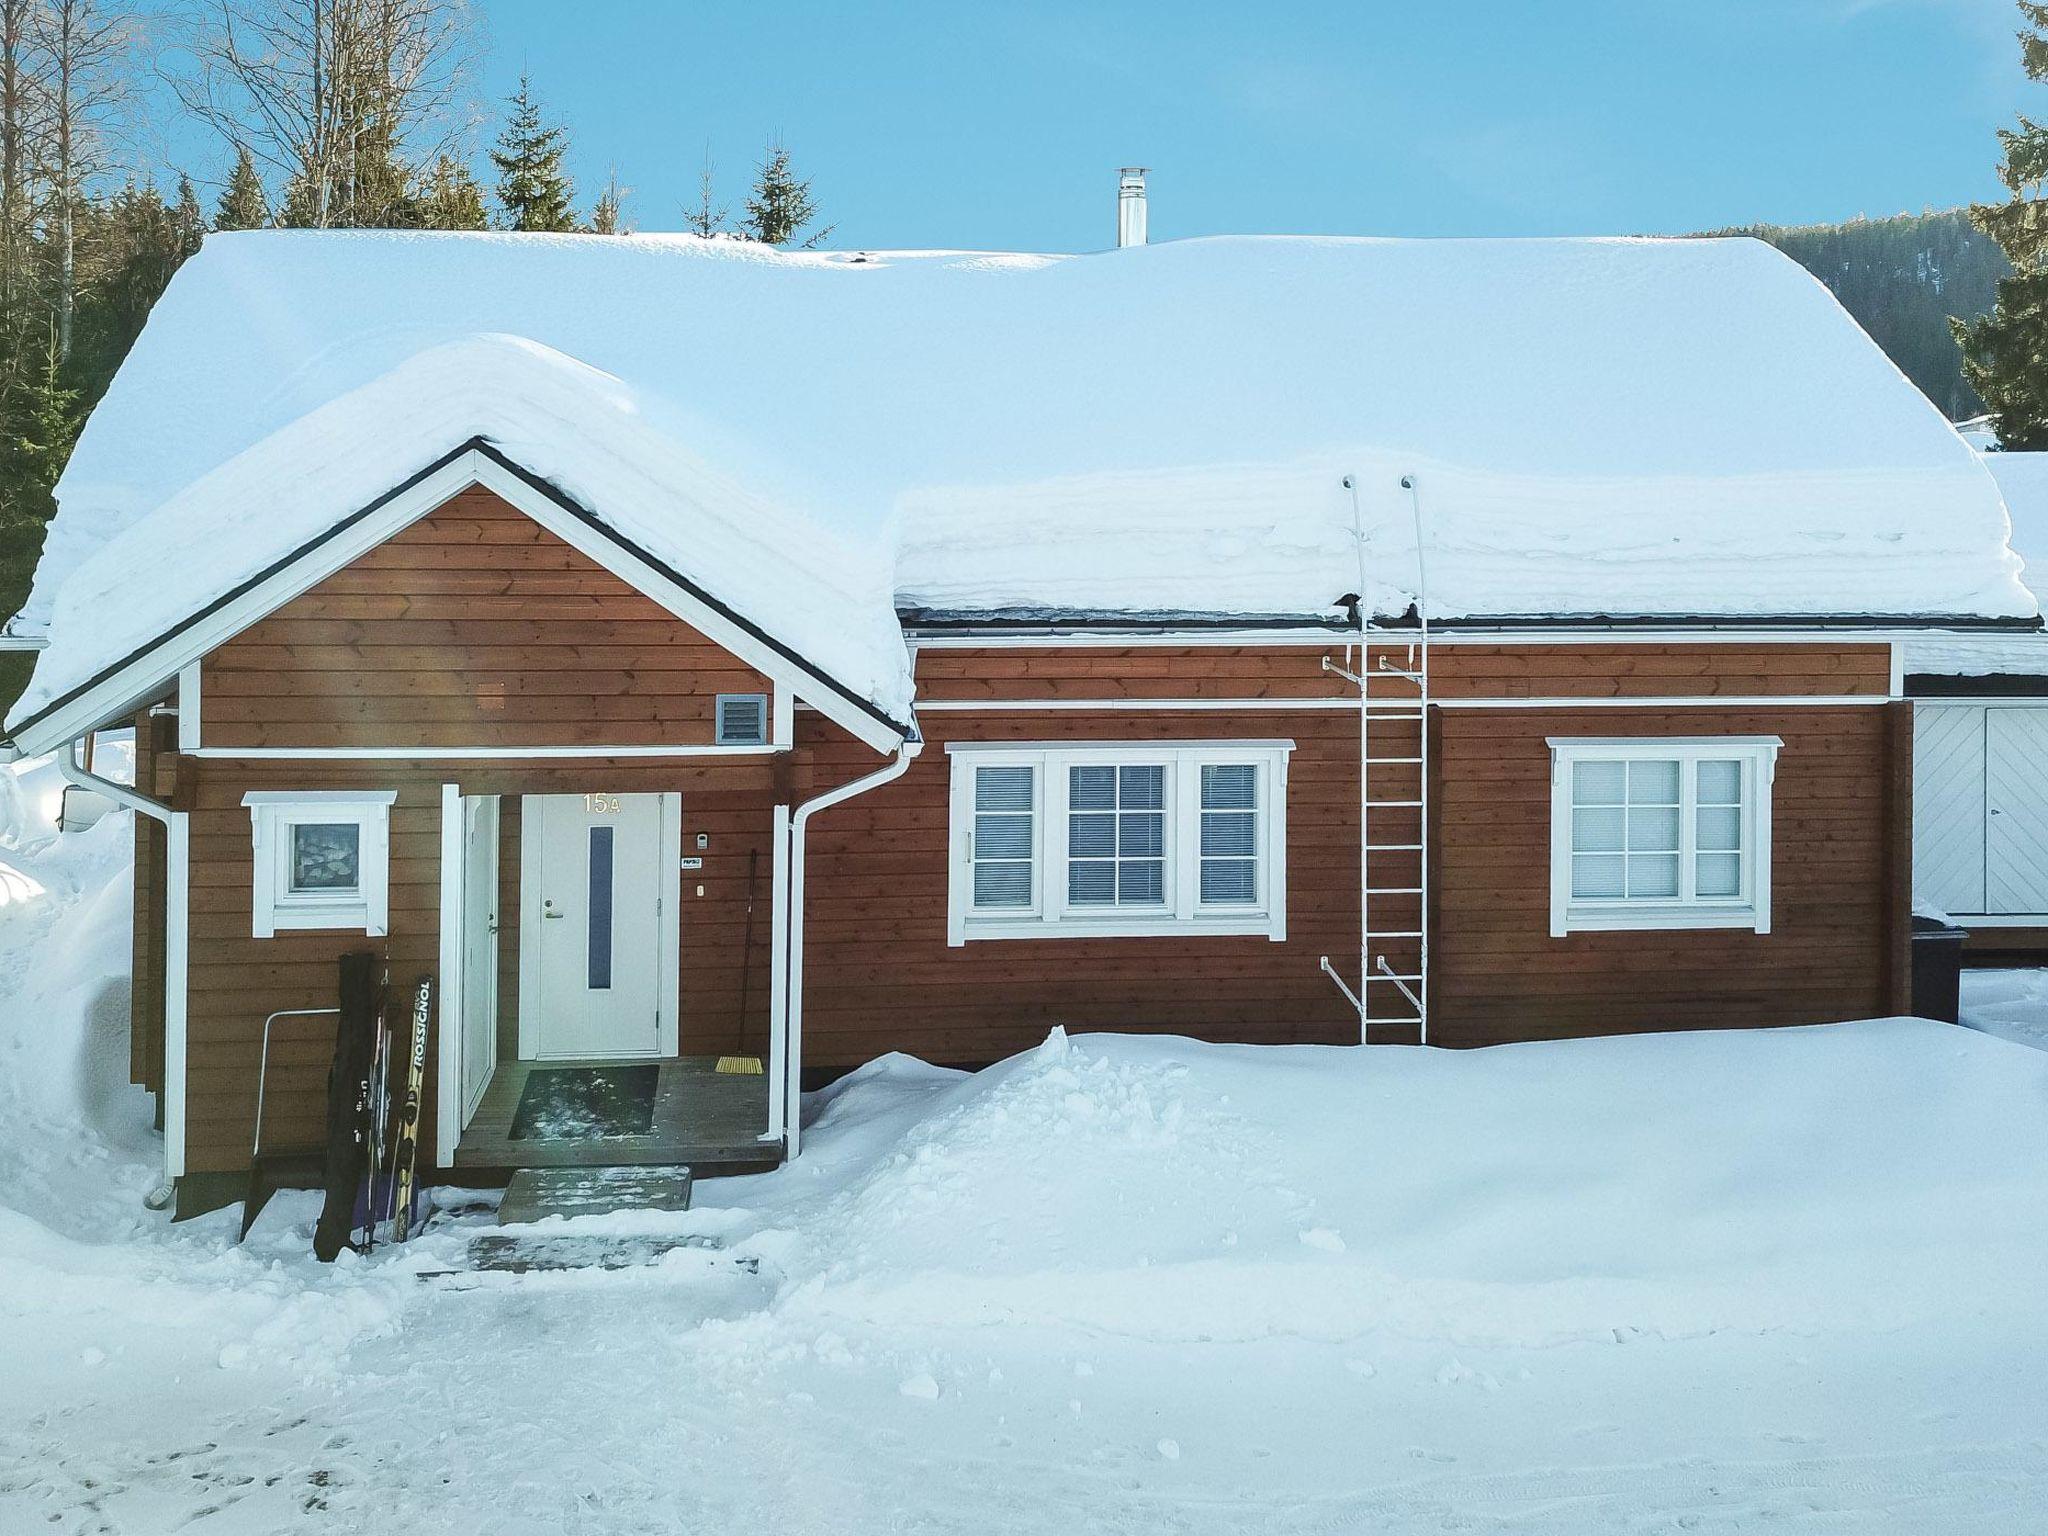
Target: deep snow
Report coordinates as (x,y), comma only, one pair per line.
(1670,427)
(1709,1282)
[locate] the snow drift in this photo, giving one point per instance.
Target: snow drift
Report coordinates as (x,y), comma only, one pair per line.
(1840,1176)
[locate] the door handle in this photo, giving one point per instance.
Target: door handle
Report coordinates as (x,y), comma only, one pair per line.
(551,914)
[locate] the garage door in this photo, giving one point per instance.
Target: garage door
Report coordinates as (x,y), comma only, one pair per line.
(1980,808)
(2016,791)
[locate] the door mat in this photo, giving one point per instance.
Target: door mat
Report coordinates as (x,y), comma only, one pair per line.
(586,1103)
(739,1066)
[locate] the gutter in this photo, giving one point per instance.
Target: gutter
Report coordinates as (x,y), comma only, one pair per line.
(790,1111)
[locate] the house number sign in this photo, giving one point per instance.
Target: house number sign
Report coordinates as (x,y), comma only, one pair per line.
(601,805)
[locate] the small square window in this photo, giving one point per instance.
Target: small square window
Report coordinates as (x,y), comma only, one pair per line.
(326,857)
(321,860)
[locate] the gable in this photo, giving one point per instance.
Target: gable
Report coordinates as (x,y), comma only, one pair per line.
(46,718)
(472,627)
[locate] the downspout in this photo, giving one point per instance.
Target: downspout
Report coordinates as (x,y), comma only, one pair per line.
(71,767)
(890,771)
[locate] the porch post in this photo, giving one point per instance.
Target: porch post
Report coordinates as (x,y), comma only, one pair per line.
(177,949)
(779,1065)
(448,1005)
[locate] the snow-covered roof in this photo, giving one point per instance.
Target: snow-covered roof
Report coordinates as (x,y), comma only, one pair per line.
(2023,481)
(1596,427)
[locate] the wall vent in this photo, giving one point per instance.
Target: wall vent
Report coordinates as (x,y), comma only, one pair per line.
(742,719)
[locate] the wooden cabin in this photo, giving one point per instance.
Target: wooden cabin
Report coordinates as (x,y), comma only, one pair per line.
(731,729)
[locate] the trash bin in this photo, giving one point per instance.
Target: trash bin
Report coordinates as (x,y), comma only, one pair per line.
(1937,969)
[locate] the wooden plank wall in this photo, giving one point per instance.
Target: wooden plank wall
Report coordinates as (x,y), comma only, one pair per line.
(880,975)
(473,627)
(1835,907)
(235,979)
(1458,670)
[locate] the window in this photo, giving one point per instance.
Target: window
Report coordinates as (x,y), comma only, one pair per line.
(1652,832)
(742,719)
(321,860)
(1125,840)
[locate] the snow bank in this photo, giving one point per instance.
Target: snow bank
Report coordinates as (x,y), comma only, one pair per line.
(1674,1185)
(1597,426)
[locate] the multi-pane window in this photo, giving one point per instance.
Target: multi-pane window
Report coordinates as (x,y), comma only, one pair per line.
(1656,833)
(322,859)
(1004,840)
(1116,835)
(1230,834)
(1129,839)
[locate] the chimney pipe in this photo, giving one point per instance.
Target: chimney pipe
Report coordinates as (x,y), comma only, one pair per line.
(1130,206)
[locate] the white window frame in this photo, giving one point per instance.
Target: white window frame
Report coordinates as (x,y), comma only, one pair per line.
(1751,908)
(1050,916)
(277,908)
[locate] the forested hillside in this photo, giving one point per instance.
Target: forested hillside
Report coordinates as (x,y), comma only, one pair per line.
(1902,278)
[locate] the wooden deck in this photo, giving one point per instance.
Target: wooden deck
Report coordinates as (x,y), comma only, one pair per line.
(713,1121)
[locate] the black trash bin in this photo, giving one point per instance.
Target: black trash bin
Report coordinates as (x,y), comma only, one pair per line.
(1937,969)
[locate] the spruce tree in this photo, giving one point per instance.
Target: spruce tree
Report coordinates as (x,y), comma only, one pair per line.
(449,198)
(780,206)
(243,205)
(2006,352)
(708,218)
(607,216)
(533,190)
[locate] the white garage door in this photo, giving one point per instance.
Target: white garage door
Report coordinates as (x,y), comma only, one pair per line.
(2016,788)
(1980,808)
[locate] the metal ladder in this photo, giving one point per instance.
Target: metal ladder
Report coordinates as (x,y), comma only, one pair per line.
(1392,677)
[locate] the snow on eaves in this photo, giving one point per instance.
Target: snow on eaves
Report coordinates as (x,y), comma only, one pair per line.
(1658,428)
(585,432)
(2022,480)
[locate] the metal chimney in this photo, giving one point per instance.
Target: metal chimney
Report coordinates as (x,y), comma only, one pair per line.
(1130,206)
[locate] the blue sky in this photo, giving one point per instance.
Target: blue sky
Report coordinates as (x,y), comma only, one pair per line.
(1001,125)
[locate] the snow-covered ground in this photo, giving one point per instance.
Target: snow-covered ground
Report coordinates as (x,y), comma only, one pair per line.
(1788,1279)
(2010,1004)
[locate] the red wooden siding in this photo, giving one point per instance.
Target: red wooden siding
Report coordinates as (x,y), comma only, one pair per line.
(473,627)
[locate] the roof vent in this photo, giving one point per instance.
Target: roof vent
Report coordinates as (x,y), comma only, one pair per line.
(742,719)
(1130,206)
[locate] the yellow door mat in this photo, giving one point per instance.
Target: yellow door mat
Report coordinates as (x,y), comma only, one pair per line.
(739,1066)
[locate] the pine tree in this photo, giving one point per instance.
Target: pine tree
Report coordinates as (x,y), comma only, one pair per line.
(533,189)
(243,205)
(607,215)
(780,206)
(709,217)
(449,198)
(2006,352)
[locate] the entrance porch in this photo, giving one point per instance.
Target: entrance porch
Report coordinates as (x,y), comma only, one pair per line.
(607,960)
(714,1121)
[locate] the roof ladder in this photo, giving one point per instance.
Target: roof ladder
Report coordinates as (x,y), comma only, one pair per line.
(1392,677)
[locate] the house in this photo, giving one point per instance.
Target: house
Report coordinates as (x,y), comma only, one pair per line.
(687,650)
(1980,825)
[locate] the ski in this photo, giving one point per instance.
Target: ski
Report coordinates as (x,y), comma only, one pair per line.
(407,1155)
(349,1092)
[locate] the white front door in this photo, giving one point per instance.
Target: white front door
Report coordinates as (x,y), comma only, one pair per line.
(596,919)
(480,948)
(2016,792)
